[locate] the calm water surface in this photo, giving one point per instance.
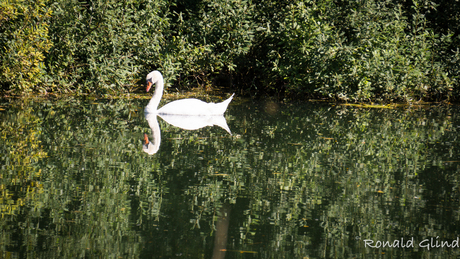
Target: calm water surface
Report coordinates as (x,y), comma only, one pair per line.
(299,180)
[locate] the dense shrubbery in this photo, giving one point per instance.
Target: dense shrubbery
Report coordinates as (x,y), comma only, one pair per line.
(348,50)
(104,45)
(24,40)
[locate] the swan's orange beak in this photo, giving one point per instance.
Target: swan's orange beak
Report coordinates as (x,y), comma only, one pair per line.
(146,139)
(149,84)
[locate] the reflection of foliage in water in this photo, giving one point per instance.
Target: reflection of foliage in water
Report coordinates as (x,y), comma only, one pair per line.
(21,151)
(81,202)
(334,175)
(20,180)
(308,180)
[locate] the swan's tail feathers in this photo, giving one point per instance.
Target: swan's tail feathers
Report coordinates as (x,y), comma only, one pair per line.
(223,105)
(228,100)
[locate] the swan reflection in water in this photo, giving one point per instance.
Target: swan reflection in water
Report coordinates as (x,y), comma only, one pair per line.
(187,122)
(189,114)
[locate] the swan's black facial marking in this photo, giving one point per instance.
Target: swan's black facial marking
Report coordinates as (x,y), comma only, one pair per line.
(148,80)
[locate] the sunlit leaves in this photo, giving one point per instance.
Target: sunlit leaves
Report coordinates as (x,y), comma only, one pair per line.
(105,46)
(361,51)
(24,42)
(347,50)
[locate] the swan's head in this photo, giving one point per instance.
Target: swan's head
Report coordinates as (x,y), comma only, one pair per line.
(152,78)
(148,147)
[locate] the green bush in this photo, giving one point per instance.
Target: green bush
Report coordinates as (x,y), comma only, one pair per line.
(358,51)
(104,46)
(300,48)
(345,50)
(211,37)
(24,43)
(394,57)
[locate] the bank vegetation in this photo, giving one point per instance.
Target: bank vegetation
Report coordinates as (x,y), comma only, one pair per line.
(349,50)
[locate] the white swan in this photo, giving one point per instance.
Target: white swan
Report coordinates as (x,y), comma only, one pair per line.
(189,106)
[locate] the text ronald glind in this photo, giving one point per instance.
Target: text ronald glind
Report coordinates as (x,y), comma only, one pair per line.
(428,243)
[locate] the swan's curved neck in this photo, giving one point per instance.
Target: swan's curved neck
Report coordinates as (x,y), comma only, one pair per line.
(156,98)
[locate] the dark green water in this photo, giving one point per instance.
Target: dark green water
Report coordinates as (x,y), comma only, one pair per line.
(301,180)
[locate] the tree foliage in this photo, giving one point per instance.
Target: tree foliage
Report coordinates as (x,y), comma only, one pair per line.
(104,45)
(345,50)
(24,43)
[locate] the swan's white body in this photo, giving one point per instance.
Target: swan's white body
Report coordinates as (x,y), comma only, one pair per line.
(189,106)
